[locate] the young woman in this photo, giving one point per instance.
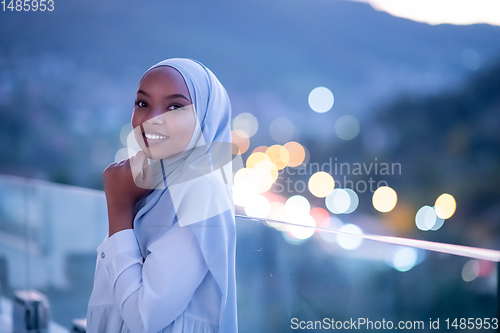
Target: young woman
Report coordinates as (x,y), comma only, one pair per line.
(168,261)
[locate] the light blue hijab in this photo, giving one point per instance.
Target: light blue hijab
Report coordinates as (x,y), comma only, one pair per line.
(197,191)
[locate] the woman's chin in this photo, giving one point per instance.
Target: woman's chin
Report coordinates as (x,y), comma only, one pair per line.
(162,155)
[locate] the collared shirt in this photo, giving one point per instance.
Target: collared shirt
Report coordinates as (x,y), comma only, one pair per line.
(171,290)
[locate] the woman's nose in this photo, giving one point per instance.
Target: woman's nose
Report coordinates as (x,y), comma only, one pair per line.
(155,117)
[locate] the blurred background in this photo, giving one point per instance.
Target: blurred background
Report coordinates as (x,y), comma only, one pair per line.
(377,117)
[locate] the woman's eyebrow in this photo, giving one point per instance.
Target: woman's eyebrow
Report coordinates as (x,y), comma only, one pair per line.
(170,96)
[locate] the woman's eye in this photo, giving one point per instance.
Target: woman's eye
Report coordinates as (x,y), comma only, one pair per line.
(178,106)
(140,104)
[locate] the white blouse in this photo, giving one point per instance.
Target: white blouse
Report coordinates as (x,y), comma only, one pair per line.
(171,290)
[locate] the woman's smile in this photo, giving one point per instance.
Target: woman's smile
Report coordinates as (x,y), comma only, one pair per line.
(152,139)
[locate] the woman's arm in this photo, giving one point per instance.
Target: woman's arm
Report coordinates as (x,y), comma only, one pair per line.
(150,295)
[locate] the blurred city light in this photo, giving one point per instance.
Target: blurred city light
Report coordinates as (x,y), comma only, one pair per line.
(247,123)
(321,99)
(301,232)
(260,149)
(470,271)
(321,184)
(384,199)
(425,218)
(279,156)
(338,201)
(354,201)
(404,259)
(255,158)
(321,217)
(257,206)
(347,127)
(296,151)
(350,242)
(278,213)
(445,206)
(241,140)
(297,206)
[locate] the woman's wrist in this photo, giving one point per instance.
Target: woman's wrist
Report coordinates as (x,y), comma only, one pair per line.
(120,217)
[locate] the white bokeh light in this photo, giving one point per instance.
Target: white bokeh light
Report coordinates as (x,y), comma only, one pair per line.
(354,201)
(338,201)
(349,242)
(425,218)
(404,259)
(247,123)
(321,99)
(257,206)
(297,206)
(302,232)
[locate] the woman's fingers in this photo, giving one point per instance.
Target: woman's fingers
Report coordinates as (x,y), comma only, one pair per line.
(138,164)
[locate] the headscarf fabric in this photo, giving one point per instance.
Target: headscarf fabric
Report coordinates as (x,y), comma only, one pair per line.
(194,189)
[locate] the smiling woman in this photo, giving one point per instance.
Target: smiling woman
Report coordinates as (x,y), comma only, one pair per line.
(168,261)
(164,119)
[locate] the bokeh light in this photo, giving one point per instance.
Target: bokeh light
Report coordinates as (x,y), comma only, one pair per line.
(241,140)
(297,153)
(321,184)
(301,232)
(338,201)
(279,156)
(260,177)
(255,158)
(247,123)
(124,133)
(354,201)
(281,129)
(445,206)
(349,242)
(471,270)
(426,218)
(278,213)
(246,184)
(404,259)
(320,215)
(297,206)
(321,99)
(121,154)
(270,168)
(257,206)
(384,199)
(439,222)
(347,127)
(260,149)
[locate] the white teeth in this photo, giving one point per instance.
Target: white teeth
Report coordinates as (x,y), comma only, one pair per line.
(155,137)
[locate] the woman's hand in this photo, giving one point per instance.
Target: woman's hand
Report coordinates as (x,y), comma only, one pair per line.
(124,186)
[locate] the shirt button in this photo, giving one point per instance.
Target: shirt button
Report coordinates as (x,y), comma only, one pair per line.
(102,255)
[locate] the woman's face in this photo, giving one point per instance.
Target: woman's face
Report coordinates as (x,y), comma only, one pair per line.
(164,108)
